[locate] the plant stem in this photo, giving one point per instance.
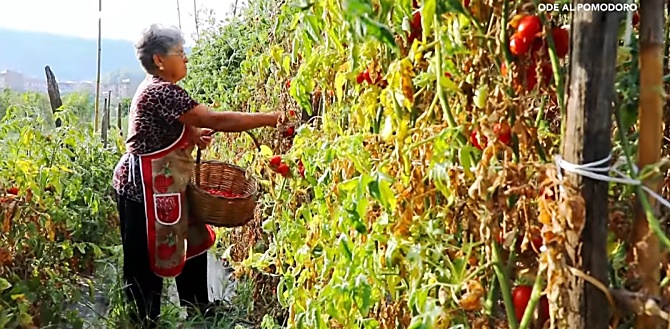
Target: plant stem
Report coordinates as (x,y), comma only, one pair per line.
(503,280)
(532,303)
(440,75)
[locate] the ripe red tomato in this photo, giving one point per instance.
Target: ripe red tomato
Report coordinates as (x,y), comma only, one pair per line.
(291,113)
(561,41)
(283,169)
(416,23)
(13,190)
(225,194)
(290,130)
(364,76)
(360,78)
(476,138)
(413,36)
(530,26)
(544,309)
(301,168)
(536,241)
(504,132)
(275,160)
(520,298)
(288,84)
(519,44)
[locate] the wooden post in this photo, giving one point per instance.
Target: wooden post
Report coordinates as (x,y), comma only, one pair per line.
(105,121)
(179,14)
(588,129)
(646,248)
(195,14)
(54,93)
(118,116)
(97,79)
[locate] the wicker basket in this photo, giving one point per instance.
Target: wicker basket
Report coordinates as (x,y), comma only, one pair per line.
(219,210)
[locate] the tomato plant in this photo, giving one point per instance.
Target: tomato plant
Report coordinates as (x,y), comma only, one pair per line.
(56,213)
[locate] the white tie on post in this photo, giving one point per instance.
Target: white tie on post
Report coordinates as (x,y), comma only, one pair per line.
(593,170)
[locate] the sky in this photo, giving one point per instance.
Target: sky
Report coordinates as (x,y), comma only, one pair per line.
(121,19)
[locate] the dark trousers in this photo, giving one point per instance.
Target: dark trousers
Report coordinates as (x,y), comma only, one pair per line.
(143,288)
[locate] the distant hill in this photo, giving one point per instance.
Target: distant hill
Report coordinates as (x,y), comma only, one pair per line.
(70,58)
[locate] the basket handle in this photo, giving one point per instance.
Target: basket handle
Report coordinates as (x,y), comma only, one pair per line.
(197,166)
(198,156)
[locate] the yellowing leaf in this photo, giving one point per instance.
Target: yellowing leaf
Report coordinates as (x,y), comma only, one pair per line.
(387,131)
(340,80)
(266,151)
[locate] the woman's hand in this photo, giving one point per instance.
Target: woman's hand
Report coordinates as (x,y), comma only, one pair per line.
(280,118)
(205,138)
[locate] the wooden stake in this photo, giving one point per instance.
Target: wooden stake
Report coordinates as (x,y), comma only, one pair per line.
(179,14)
(646,248)
(588,127)
(118,117)
(97,79)
(195,14)
(103,130)
(54,93)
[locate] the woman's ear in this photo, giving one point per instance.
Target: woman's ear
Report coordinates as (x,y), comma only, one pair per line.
(159,62)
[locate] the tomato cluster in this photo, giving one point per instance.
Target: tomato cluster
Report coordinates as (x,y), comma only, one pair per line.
(279,166)
(528,42)
(225,194)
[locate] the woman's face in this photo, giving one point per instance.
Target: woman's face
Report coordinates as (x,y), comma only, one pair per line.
(173,64)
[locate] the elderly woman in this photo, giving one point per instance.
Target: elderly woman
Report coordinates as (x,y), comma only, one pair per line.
(160,240)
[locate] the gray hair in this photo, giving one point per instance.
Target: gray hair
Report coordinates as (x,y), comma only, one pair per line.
(157,40)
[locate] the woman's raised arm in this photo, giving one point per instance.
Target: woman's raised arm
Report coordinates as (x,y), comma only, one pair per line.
(201,117)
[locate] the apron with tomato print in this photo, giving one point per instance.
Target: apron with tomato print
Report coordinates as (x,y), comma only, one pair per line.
(173,236)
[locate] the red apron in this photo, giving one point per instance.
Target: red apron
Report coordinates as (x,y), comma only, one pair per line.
(173,236)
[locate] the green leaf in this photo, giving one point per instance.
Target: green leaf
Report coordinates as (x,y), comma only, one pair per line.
(4,284)
(379,31)
(465,159)
(344,246)
(427,17)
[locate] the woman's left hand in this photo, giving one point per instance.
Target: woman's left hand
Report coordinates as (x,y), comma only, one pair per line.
(205,138)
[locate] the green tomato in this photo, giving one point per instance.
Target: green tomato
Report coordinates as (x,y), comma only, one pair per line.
(480,96)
